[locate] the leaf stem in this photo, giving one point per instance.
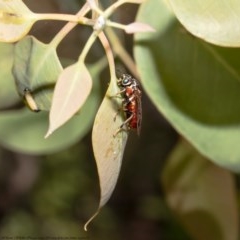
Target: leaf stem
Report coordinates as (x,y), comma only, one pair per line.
(116,25)
(94,6)
(109,53)
(87,46)
(121,52)
(62,17)
(109,11)
(69,26)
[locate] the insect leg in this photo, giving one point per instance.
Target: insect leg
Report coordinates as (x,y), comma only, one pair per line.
(123,108)
(122,125)
(118,94)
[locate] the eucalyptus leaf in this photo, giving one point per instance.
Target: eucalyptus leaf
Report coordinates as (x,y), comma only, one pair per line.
(108,147)
(71,91)
(36,69)
(8,93)
(15,20)
(201,194)
(194,84)
(215,21)
(23,130)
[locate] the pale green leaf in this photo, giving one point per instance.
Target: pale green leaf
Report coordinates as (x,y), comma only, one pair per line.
(23,131)
(194,84)
(36,68)
(215,21)
(15,20)
(201,195)
(8,92)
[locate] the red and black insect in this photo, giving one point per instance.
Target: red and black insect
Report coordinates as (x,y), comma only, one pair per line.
(132,105)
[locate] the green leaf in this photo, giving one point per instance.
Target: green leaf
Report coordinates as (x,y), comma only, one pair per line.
(36,68)
(215,21)
(201,195)
(23,131)
(8,93)
(15,20)
(195,85)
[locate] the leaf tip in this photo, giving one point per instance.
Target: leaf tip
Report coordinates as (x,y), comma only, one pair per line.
(49,132)
(138,27)
(89,220)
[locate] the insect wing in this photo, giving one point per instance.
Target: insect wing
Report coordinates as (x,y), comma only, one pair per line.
(138,96)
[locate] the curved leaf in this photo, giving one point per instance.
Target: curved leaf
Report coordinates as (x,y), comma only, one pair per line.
(201,194)
(36,68)
(70,93)
(108,148)
(23,131)
(8,93)
(215,21)
(15,20)
(195,85)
